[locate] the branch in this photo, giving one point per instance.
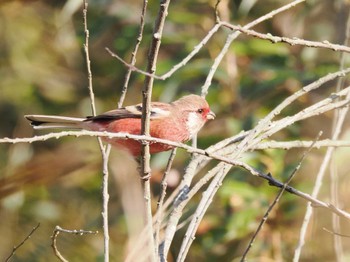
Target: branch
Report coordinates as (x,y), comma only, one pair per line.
(257,134)
(234,35)
(176,67)
(145,169)
(277,198)
(338,123)
(291,41)
(335,233)
(55,234)
(133,54)
(160,208)
(15,248)
(300,144)
(104,150)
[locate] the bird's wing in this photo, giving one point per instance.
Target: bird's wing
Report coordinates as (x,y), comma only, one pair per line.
(158,110)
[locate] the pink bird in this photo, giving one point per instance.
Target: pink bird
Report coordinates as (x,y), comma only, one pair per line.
(178,121)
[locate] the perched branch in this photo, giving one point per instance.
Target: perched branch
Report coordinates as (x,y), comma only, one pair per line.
(145,168)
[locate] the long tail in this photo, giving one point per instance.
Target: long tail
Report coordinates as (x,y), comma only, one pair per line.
(46,122)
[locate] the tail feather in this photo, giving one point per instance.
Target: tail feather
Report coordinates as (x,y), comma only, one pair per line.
(47,122)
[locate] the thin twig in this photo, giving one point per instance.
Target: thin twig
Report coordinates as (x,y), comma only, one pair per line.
(335,233)
(55,234)
(176,67)
(15,248)
(131,67)
(277,198)
(87,57)
(291,41)
(265,123)
(133,54)
(286,145)
(234,35)
(337,127)
(104,150)
(162,195)
(325,105)
(334,178)
(207,198)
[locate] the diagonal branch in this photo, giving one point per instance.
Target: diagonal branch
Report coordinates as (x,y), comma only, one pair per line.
(15,248)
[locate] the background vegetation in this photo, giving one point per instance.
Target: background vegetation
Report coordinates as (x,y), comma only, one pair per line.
(58,182)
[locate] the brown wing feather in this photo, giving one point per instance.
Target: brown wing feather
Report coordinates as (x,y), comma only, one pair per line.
(114,115)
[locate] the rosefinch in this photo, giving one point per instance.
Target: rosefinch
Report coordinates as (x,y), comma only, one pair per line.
(178,121)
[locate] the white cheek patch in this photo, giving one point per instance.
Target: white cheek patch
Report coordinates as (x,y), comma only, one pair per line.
(194,123)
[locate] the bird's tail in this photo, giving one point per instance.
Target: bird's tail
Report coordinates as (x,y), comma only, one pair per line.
(47,122)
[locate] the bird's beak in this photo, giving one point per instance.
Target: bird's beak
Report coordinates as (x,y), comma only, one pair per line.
(211,115)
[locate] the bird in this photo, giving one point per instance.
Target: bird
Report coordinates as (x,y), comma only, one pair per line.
(178,121)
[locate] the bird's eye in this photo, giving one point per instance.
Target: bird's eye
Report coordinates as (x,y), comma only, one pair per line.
(200,111)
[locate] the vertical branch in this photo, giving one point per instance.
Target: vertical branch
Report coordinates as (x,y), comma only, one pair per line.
(87,57)
(145,172)
(105,197)
(159,214)
(334,185)
(337,127)
(104,151)
(133,54)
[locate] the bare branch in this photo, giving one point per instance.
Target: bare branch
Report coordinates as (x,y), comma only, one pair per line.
(176,67)
(133,54)
(234,35)
(15,248)
(55,234)
(159,216)
(145,168)
(300,144)
(290,41)
(104,150)
(337,124)
(277,198)
(87,57)
(335,233)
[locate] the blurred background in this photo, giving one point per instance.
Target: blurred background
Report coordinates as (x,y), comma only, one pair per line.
(58,182)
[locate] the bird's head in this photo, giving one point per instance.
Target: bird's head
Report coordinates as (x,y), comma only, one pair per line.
(196,112)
